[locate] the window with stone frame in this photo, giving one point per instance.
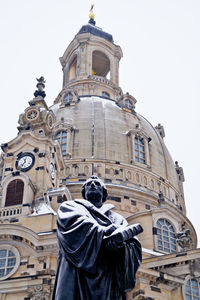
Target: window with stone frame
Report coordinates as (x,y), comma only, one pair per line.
(72,69)
(67,99)
(192,289)
(128,104)
(105,95)
(14,193)
(8,261)
(139,150)
(166,236)
(139,147)
(64,198)
(61,137)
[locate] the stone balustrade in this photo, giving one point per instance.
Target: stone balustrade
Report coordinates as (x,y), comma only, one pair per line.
(102,79)
(10,211)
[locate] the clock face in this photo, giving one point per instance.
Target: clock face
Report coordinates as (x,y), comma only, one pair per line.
(52,171)
(25,161)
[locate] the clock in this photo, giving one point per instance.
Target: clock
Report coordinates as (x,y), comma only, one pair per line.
(52,171)
(25,161)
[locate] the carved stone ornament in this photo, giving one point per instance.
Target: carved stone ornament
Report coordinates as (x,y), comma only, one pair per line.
(40,85)
(31,114)
(179,171)
(127,102)
(69,97)
(184,240)
(39,293)
(195,268)
(161,130)
(161,198)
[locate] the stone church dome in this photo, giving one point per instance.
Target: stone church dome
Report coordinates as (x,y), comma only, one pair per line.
(103,133)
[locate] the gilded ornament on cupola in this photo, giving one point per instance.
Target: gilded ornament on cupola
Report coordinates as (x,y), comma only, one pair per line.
(92,16)
(37,117)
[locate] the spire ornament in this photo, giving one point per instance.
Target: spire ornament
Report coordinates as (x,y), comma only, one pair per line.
(92,16)
(40,85)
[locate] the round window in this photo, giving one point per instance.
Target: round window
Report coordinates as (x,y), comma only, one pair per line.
(67,99)
(9,261)
(32,114)
(128,104)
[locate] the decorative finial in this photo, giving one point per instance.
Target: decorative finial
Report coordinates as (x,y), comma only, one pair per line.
(40,85)
(91,15)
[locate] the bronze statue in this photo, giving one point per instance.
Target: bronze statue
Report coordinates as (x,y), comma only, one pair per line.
(98,252)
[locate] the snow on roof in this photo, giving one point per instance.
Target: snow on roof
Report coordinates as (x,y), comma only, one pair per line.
(43,209)
(152,252)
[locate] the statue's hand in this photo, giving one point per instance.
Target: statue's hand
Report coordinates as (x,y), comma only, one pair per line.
(112,245)
(123,234)
(110,229)
(131,231)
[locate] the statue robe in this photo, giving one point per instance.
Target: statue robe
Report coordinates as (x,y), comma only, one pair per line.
(87,270)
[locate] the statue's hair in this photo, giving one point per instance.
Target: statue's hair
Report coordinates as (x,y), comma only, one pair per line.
(105,193)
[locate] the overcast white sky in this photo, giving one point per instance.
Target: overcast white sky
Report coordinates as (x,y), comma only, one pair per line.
(160,41)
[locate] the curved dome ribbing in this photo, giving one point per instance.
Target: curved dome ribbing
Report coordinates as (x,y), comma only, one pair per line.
(102,128)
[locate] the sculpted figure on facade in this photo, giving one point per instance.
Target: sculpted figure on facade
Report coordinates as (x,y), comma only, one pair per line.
(184,239)
(179,171)
(39,292)
(98,252)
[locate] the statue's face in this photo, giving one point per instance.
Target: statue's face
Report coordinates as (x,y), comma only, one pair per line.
(94,192)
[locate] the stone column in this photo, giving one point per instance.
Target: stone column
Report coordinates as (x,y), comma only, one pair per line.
(114,70)
(2,296)
(69,146)
(146,149)
(132,136)
(82,61)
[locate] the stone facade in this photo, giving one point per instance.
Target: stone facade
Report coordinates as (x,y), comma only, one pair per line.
(91,128)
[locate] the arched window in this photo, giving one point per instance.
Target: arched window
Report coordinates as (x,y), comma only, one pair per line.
(67,99)
(192,289)
(139,150)
(14,194)
(64,198)
(105,95)
(61,137)
(72,69)
(100,64)
(128,104)
(166,236)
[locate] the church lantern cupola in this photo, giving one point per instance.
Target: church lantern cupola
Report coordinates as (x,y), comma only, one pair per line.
(91,62)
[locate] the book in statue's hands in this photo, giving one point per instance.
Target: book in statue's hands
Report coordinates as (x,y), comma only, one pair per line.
(123,234)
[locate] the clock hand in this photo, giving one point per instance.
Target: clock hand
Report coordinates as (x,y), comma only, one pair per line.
(24,161)
(22,164)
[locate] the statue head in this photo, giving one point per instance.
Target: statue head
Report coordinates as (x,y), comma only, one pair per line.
(94,191)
